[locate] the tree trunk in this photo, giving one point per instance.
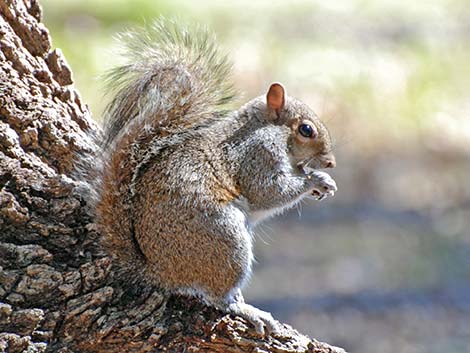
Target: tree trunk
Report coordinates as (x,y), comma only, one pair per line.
(57,290)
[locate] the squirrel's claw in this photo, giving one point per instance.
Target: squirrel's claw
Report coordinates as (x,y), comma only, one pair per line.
(262,321)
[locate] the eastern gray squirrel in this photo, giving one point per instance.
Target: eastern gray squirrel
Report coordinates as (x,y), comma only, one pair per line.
(183,181)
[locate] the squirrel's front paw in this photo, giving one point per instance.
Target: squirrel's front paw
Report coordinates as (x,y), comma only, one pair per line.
(323,185)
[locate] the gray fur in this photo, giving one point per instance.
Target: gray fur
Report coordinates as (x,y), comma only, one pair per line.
(184,181)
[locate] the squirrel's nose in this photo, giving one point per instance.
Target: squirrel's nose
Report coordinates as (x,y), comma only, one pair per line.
(330,162)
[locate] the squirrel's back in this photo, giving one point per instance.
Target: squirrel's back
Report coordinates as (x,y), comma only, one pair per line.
(174,80)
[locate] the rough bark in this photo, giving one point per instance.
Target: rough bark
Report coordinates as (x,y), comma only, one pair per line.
(57,290)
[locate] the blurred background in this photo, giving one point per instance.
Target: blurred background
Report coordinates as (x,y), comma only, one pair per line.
(384,266)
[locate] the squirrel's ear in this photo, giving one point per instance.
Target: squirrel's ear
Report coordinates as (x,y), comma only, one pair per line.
(275,98)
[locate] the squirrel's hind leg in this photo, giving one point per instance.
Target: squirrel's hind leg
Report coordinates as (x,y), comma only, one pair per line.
(261,320)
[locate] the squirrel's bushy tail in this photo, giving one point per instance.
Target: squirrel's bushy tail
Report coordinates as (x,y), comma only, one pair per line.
(174,78)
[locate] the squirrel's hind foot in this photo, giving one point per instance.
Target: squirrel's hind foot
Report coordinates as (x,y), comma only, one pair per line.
(263,321)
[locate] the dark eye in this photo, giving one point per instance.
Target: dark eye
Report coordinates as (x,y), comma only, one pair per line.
(306,130)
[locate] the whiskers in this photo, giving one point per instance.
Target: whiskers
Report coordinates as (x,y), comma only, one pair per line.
(305,163)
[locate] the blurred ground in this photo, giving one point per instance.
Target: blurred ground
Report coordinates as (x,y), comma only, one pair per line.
(384,266)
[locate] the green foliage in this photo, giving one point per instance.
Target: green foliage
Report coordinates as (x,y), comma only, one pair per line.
(378,63)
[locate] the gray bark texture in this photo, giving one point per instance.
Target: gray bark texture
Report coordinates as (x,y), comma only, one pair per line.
(57,289)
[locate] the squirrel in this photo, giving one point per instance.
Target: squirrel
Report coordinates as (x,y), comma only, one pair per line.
(183,180)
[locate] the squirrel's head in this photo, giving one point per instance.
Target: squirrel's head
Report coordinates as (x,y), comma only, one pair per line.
(309,142)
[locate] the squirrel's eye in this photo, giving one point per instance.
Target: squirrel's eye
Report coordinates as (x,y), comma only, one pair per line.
(306,130)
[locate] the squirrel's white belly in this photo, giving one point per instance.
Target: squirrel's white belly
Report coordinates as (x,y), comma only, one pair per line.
(256,216)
